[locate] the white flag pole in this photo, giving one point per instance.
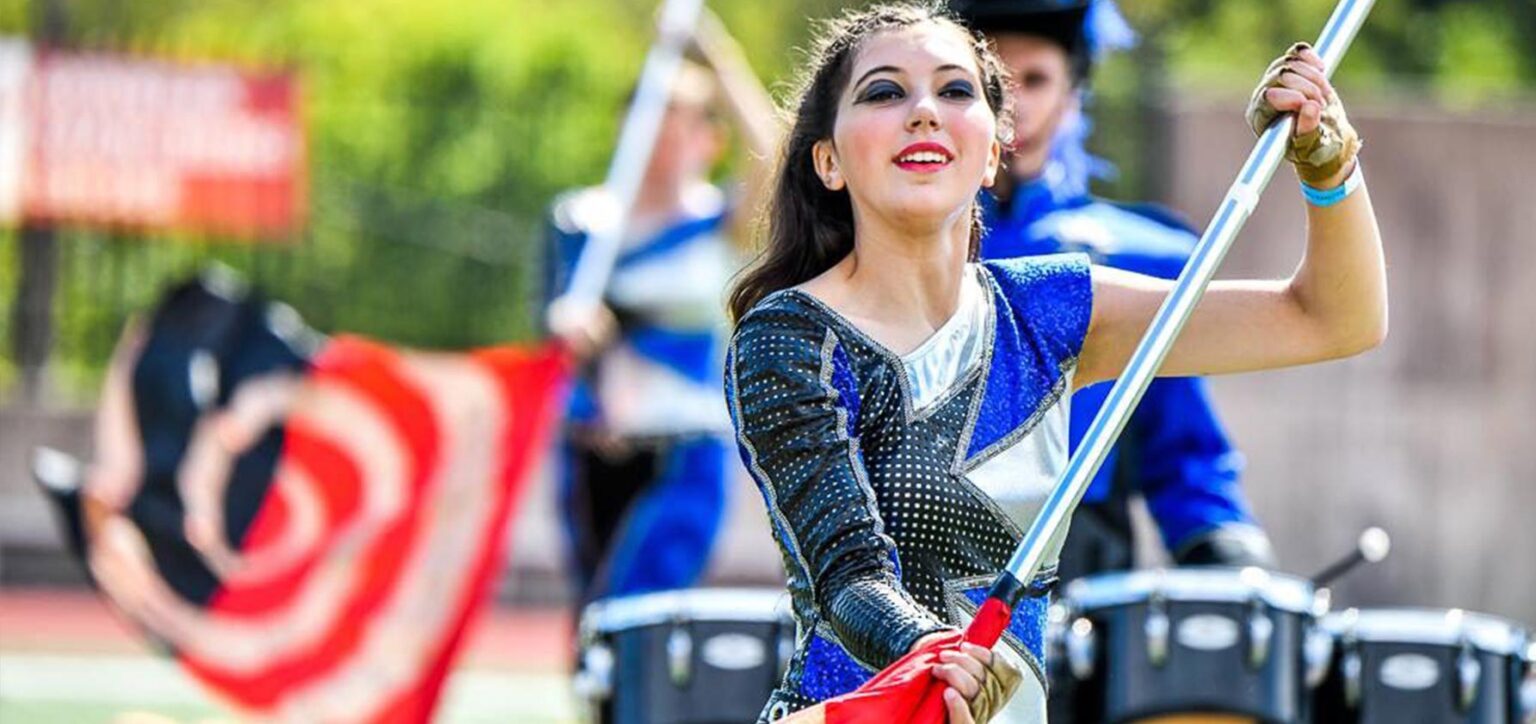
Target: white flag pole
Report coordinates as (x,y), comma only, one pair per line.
(633,155)
(1240,200)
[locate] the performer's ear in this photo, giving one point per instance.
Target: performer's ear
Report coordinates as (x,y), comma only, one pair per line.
(824,157)
(994,162)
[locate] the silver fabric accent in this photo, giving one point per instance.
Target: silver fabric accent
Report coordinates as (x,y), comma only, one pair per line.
(1060,391)
(903,380)
(1020,477)
(938,364)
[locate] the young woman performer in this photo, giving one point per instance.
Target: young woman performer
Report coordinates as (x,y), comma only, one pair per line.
(646,449)
(902,408)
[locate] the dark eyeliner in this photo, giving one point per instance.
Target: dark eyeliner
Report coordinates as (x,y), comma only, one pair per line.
(962,86)
(878,91)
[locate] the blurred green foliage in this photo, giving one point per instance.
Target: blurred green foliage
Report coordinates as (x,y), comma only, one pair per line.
(438,132)
(1469,50)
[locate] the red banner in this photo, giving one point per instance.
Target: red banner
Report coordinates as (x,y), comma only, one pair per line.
(368,553)
(309,526)
(149,145)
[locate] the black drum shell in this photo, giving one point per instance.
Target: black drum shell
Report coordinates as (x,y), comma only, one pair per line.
(1100,645)
(1191,679)
(641,685)
(1497,700)
(644,692)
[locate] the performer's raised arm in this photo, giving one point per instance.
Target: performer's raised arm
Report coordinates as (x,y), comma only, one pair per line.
(1335,303)
(753,114)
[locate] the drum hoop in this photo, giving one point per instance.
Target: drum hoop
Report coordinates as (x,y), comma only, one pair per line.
(742,605)
(1214,585)
(1430,626)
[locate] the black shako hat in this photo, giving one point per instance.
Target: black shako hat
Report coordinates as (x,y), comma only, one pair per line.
(1061,21)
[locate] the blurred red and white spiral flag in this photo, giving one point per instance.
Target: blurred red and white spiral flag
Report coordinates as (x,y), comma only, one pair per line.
(308,531)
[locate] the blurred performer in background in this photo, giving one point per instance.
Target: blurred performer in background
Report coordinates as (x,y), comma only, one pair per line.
(644,455)
(1173,451)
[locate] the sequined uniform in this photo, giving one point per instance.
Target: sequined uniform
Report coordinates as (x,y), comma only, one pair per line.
(898,486)
(1173,451)
(645,518)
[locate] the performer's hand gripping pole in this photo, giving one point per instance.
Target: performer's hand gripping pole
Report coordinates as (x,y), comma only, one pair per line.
(636,141)
(1240,200)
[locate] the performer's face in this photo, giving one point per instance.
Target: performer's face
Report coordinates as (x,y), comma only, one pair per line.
(914,137)
(1042,96)
(689,142)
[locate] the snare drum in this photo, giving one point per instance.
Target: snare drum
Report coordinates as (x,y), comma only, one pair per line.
(1196,644)
(1423,665)
(693,656)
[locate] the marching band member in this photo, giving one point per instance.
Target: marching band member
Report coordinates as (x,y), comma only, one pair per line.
(644,454)
(1173,451)
(903,408)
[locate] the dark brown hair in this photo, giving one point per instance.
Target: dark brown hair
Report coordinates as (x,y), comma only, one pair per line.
(810,227)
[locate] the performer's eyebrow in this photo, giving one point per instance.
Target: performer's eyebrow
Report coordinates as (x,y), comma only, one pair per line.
(874,70)
(893,69)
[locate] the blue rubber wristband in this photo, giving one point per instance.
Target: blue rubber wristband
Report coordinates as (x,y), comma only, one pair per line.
(1323,198)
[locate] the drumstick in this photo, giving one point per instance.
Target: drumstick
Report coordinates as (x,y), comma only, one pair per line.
(633,154)
(1373,545)
(1235,208)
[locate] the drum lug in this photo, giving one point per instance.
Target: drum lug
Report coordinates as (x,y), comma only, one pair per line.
(1317,652)
(1079,645)
(1468,673)
(1352,667)
(594,681)
(1352,675)
(1261,633)
(679,654)
(1157,629)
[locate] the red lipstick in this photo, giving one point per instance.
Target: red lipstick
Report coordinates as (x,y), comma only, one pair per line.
(924,157)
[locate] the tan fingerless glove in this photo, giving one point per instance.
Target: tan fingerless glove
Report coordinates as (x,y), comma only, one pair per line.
(1002,680)
(1321,154)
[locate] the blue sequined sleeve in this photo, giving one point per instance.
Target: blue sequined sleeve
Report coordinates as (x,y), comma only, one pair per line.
(798,437)
(1050,303)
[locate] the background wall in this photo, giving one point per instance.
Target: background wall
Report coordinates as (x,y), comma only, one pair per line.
(1433,435)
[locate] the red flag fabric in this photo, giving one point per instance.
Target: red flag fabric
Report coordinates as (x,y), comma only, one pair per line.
(897,694)
(368,551)
(906,692)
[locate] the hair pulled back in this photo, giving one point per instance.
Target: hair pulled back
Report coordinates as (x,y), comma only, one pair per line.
(810,227)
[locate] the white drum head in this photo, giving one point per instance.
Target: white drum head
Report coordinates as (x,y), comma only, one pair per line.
(751,605)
